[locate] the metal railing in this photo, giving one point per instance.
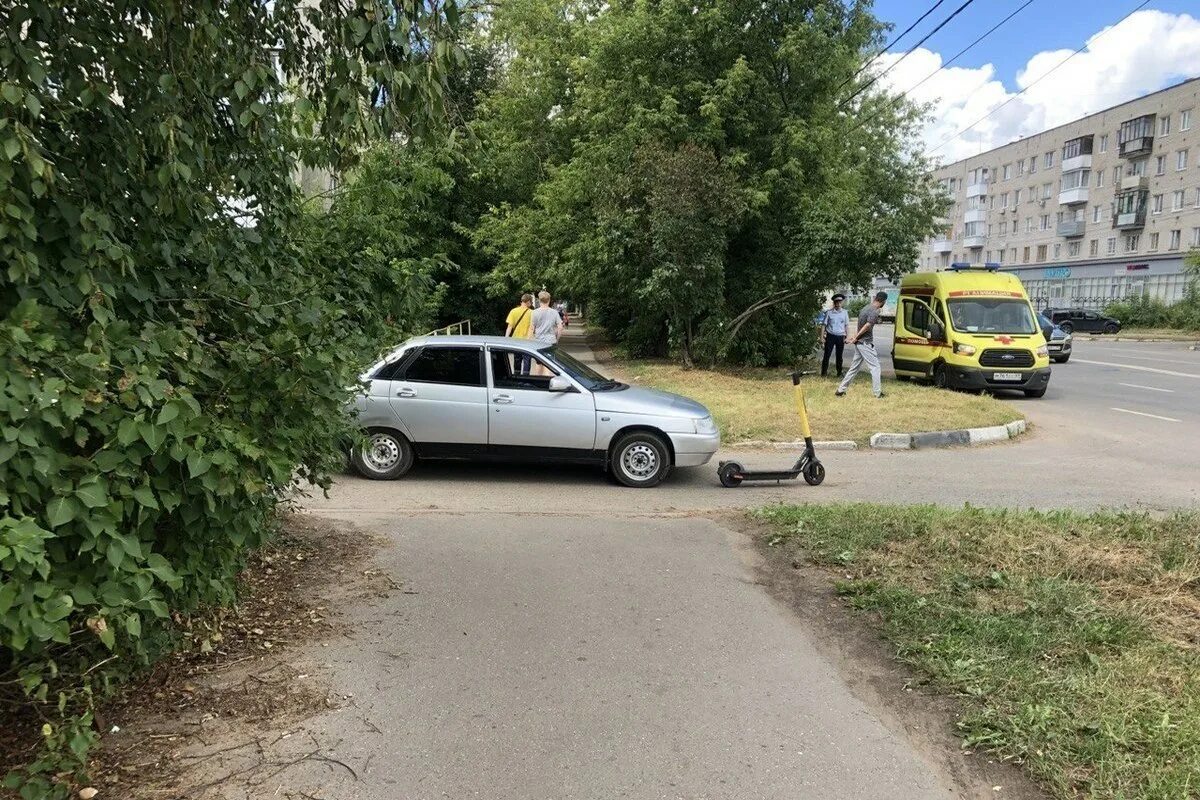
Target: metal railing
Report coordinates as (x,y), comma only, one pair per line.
(460,328)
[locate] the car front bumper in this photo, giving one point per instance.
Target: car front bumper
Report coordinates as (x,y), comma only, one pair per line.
(982,378)
(694,449)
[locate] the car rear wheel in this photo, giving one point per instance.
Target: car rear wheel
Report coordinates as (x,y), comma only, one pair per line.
(640,460)
(385,456)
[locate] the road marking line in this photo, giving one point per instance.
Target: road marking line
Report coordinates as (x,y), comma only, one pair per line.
(1144,414)
(1146,358)
(1143,369)
(1150,388)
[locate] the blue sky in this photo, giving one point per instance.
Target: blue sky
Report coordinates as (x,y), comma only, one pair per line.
(1044,25)
(977,103)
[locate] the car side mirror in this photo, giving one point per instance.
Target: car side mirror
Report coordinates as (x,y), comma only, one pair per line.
(936,331)
(560,384)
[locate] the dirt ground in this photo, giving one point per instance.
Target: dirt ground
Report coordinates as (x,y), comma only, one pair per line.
(218,707)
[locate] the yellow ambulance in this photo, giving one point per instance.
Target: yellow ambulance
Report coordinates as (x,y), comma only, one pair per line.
(970,327)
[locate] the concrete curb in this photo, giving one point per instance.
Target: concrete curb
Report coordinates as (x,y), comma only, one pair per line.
(970,437)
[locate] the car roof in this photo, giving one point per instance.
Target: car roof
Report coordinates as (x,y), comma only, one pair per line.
(510,341)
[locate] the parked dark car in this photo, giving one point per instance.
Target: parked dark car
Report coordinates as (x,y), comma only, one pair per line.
(1082,320)
(1058,341)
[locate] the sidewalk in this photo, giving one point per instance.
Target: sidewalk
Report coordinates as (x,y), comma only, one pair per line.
(574,341)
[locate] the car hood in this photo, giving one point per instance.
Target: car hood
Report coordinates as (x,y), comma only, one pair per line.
(639,400)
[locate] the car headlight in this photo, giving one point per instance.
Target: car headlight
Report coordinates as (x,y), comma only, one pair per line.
(1043,351)
(964,349)
(706,425)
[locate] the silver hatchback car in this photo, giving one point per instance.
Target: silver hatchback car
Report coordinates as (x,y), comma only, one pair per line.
(491,397)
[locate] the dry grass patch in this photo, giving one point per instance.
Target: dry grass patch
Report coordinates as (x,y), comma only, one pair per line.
(1072,640)
(756,404)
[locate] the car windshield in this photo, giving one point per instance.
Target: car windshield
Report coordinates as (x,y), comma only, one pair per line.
(991,315)
(590,378)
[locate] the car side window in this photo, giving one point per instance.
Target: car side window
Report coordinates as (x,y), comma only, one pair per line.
(916,317)
(509,371)
(1091,315)
(389,371)
(458,366)
(1078,315)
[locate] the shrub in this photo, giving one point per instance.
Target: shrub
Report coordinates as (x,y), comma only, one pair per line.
(175,349)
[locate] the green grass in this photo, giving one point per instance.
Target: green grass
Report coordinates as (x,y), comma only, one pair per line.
(1072,640)
(757,404)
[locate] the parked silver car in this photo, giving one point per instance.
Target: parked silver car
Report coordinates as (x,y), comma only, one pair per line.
(473,397)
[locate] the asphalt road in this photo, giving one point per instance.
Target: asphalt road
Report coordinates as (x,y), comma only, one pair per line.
(561,637)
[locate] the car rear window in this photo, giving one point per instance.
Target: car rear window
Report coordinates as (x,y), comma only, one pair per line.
(460,366)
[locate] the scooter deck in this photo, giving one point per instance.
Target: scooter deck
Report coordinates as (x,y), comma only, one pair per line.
(753,475)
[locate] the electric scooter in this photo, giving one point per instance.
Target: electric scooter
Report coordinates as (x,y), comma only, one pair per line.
(732,473)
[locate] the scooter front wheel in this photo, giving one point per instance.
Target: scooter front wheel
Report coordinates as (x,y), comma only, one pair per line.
(730,474)
(814,473)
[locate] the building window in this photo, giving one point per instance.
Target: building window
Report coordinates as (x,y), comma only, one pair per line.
(1049,159)
(1003,227)
(989,233)
(1099,178)
(1041,252)
(1028,224)
(1181,160)
(1025,256)
(1138,167)
(1177,200)
(1153,242)
(1045,222)
(1174,245)
(1094,245)
(1007,171)
(1000,255)
(1057,251)
(1185,119)
(1017,198)
(1004,200)
(1103,146)
(1160,165)
(1046,190)
(1072,249)
(1058,218)
(1013,254)
(1198,197)
(1131,242)
(1195,237)
(1156,204)
(1020,167)
(1112,245)
(1117,175)
(1095,215)
(1032,164)
(1164,125)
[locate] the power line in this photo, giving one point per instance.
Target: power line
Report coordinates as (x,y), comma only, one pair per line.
(950,60)
(1045,75)
(907,53)
(890,44)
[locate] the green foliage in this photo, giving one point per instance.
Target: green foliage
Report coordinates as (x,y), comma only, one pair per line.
(618,131)
(855,305)
(1147,312)
(175,345)
(1063,635)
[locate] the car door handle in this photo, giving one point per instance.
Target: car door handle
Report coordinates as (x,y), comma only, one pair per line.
(406,393)
(503,399)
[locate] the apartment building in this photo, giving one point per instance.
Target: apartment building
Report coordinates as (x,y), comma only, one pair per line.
(1099,209)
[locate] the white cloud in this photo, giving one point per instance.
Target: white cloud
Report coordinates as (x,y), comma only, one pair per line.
(1147,51)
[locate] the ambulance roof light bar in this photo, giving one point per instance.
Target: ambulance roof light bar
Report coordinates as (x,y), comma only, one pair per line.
(963,266)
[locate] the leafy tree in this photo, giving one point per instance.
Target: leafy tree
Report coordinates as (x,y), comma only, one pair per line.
(175,346)
(820,190)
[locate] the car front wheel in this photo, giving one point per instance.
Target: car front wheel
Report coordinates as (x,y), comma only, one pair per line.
(385,456)
(1066,327)
(1111,328)
(640,460)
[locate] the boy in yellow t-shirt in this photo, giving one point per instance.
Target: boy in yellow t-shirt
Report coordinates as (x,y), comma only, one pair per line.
(520,326)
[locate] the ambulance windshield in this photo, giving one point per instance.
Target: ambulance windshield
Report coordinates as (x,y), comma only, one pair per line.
(991,315)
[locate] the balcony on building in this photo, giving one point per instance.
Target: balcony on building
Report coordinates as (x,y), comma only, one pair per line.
(1077,154)
(1132,183)
(1136,137)
(1072,228)
(977,189)
(974,242)
(942,246)
(1071,197)
(1130,210)
(975,215)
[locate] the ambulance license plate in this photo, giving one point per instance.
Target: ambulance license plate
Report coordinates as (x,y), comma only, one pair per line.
(1006,376)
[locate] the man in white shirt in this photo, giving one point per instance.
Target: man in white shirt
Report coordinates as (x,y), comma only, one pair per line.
(835,324)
